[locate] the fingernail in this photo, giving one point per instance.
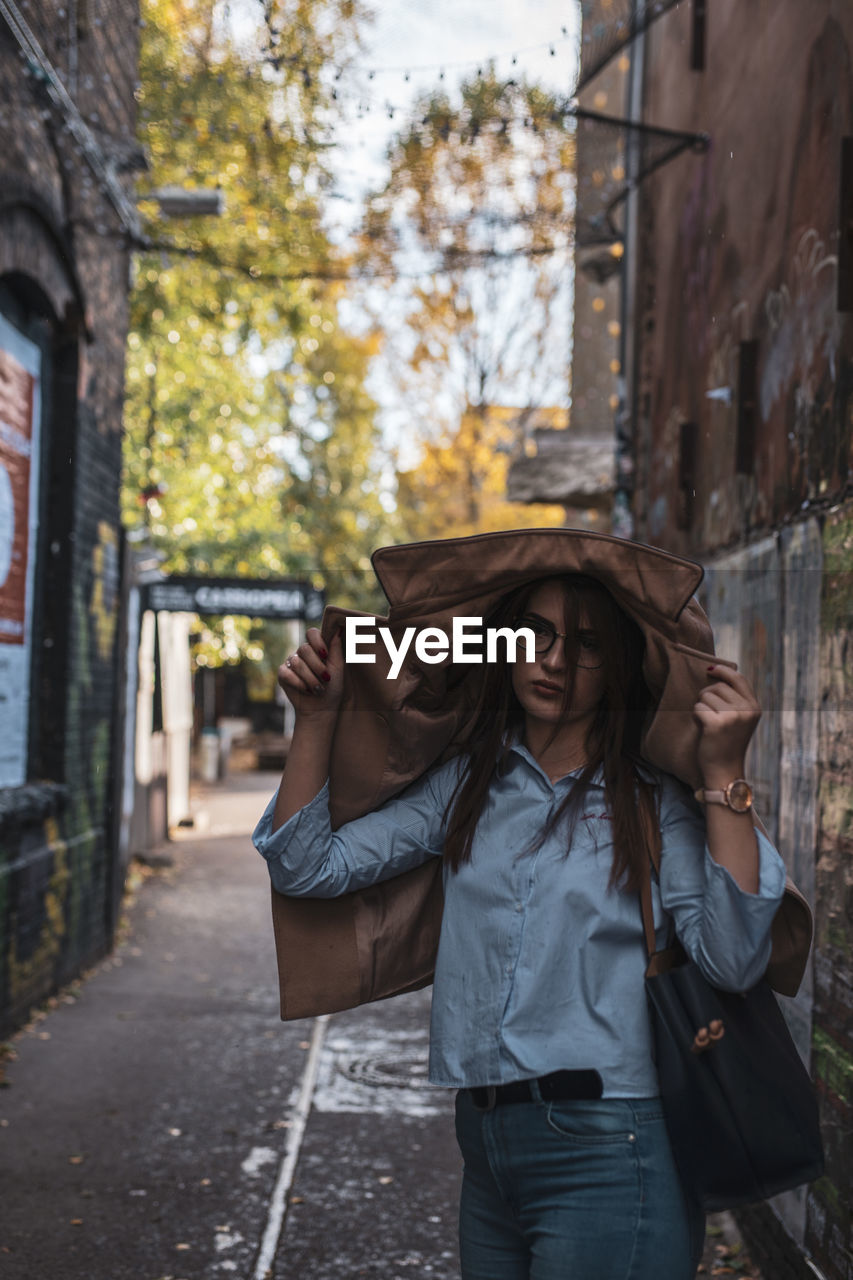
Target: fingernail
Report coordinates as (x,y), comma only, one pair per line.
(318,688)
(325,676)
(712,668)
(324,653)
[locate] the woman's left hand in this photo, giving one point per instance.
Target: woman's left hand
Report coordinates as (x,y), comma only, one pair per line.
(728,712)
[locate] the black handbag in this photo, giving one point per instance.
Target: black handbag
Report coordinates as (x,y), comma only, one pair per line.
(740,1108)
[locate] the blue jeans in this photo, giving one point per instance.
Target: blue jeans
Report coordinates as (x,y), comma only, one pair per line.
(573,1191)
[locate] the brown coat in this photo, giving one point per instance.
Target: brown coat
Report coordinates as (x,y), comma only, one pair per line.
(381,941)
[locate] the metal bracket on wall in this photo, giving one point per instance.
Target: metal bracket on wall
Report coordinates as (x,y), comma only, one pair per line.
(619,154)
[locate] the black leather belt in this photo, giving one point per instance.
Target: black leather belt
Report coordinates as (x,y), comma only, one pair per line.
(557,1086)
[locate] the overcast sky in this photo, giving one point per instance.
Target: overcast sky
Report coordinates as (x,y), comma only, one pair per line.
(407,47)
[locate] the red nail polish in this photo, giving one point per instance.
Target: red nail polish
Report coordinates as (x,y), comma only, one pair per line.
(325,675)
(712,668)
(324,653)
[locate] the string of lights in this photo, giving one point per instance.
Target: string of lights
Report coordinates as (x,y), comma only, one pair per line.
(557,113)
(475,64)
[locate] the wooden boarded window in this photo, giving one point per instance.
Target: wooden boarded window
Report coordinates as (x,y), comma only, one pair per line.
(747,408)
(845,228)
(697,35)
(688,449)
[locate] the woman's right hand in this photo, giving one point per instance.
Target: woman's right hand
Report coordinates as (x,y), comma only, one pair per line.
(313,676)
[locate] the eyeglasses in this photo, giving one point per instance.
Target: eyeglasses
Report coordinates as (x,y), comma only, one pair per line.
(589,655)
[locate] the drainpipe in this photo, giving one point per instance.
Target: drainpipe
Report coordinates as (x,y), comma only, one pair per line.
(626,421)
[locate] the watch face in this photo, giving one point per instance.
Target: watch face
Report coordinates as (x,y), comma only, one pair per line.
(739,794)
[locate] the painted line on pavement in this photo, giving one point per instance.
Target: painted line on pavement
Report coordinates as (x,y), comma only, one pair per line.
(295,1134)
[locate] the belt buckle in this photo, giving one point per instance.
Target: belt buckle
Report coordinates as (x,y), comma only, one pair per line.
(491,1093)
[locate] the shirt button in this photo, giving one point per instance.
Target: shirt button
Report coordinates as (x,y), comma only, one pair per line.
(508,969)
(519,906)
(632,1137)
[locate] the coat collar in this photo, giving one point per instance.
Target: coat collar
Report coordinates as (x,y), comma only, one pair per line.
(391,731)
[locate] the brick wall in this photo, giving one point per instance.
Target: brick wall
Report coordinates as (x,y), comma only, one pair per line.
(64,264)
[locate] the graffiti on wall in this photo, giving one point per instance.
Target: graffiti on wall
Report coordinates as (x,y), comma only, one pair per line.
(56,876)
(105,588)
(829,1222)
(800,364)
(803,324)
(38,919)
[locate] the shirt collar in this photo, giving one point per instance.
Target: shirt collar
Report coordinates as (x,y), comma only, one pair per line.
(518,748)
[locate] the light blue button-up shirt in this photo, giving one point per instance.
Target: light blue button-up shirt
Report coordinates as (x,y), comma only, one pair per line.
(540,966)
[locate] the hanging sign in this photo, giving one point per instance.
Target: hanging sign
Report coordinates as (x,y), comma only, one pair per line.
(250,597)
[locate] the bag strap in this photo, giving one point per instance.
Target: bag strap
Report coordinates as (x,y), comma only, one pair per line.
(669,957)
(651,832)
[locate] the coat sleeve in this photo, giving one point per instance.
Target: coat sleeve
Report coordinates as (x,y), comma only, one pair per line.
(306,858)
(724,929)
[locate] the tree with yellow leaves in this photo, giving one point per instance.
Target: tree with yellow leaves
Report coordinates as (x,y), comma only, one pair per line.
(473,228)
(459,484)
(250,439)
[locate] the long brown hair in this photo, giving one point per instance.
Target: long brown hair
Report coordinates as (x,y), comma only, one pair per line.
(612,743)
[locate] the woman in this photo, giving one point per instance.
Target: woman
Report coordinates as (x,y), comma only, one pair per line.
(539,1015)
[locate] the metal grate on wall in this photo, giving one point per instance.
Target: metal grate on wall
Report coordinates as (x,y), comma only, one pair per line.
(609,26)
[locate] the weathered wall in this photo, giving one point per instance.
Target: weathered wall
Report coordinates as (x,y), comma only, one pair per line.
(764,602)
(740,245)
(64,263)
(782,607)
(830,1206)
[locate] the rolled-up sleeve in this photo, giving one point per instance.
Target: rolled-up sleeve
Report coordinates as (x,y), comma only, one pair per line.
(724,929)
(306,858)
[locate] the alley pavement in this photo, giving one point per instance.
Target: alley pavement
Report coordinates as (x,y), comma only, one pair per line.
(160,1123)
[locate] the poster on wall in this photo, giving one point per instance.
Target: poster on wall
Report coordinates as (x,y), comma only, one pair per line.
(20,367)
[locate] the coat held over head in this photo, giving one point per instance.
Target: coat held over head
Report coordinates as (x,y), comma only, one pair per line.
(382,941)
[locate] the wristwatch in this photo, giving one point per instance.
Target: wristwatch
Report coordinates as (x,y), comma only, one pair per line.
(737,796)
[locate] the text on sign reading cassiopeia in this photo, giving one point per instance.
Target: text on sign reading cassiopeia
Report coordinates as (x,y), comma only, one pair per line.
(433,645)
